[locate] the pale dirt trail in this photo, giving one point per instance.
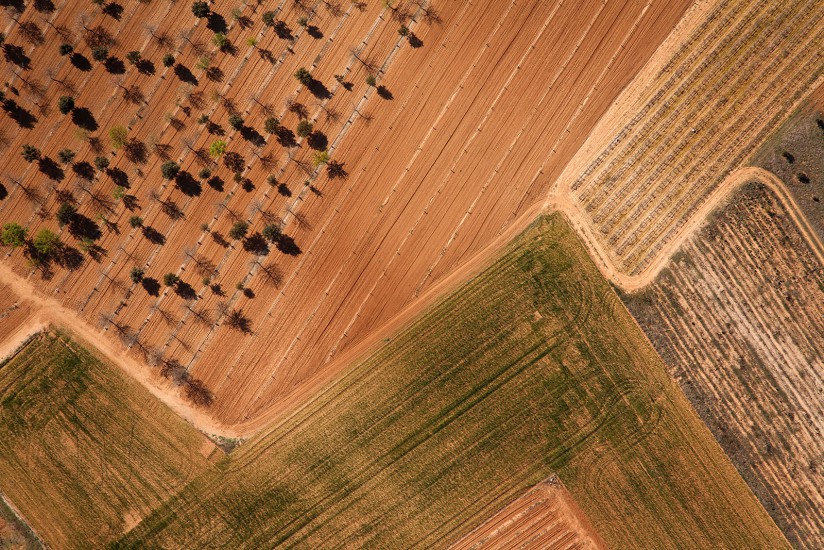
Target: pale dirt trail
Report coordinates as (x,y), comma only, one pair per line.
(48,311)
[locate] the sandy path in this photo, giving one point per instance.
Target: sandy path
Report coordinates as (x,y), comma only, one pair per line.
(47,310)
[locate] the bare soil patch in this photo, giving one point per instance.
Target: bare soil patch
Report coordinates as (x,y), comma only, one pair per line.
(737,316)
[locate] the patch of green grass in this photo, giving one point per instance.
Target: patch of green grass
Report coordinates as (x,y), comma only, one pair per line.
(87,452)
(534,367)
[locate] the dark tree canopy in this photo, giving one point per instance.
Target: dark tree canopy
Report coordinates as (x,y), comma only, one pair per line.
(169,169)
(200,9)
(65,104)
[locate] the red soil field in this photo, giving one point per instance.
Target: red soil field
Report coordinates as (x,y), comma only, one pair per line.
(545,517)
(469,132)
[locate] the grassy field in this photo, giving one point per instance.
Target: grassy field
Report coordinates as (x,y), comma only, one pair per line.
(87,452)
(531,368)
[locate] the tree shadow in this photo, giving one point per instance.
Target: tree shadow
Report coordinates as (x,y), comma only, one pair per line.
(44,6)
(151,286)
(318,89)
(68,257)
(215,129)
(3,192)
(113,10)
(84,118)
(256,244)
(219,239)
(384,92)
(286,137)
(80,62)
(51,169)
(17,55)
(336,170)
(185,75)
(216,183)
(414,41)
(84,170)
(282,30)
(135,151)
(187,184)
(22,116)
(216,23)
(314,32)
(252,136)
(287,245)
(119,177)
(215,74)
(144,66)
(317,140)
(114,65)
(185,290)
(82,226)
(153,235)
(283,190)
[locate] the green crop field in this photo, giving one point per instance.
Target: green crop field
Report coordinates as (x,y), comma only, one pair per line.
(534,367)
(87,452)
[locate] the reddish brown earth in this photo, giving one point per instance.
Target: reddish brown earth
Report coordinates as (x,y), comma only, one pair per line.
(469,142)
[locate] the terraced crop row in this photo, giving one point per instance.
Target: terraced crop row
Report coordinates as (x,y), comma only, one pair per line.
(738,316)
(723,92)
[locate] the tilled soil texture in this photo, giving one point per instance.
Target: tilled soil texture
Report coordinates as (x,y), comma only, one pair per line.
(720,92)
(546,517)
(738,318)
(473,117)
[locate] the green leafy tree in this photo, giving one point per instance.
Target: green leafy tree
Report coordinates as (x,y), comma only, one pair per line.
(217,148)
(136,221)
(221,41)
(13,234)
(169,169)
(271,125)
(136,274)
(403,31)
(133,57)
(239,230)
(269,18)
(304,128)
(170,279)
(321,157)
(46,242)
(371,80)
(271,233)
(119,192)
(65,214)
(119,136)
(205,173)
(30,153)
(66,156)
(236,122)
(66,49)
(200,9)
(303,76)
(101,163)
(100,53)
(168,60)
(65,104)
(303,21)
